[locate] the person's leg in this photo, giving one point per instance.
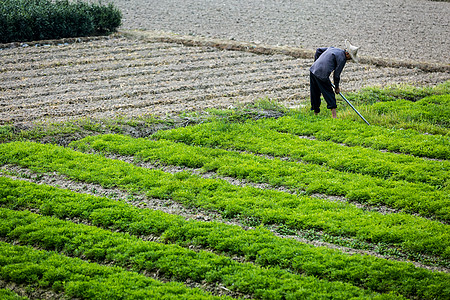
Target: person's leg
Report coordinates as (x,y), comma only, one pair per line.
(329,96)
(314,93)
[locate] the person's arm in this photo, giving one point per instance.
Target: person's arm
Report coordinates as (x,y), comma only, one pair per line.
(319,52)
(337,72)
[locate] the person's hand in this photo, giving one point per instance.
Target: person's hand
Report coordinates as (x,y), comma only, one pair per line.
(337,90)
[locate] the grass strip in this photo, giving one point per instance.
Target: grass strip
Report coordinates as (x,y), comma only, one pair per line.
(79,279)
(433,109)
(258,245)
(332,177)
(169,260)
(349,132)
(271,207)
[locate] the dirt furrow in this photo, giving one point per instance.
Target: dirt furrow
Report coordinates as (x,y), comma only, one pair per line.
(160,59)
(159,102)
(92,58)
(108,106)
(46,46)
(157,80)
(153,73)
(92,72)
(86,88)
(64,52)
(143,95)
(168,84)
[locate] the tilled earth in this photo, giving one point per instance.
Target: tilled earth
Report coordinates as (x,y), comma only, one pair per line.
(125,76)
(416,30)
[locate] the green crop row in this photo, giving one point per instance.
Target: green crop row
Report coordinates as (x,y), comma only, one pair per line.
(258,245)
(271,207)
(10,295)
(433,110)
(83,280)
(352,133)
(370,95)
(417,197)
(347,159)
(423,109)
(28,20)
(170,261)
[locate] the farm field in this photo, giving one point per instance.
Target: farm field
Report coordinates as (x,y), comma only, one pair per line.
(233,207)
(124,76)
(144,168)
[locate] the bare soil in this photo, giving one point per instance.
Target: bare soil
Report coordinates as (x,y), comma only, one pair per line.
(416,30)
(134,75)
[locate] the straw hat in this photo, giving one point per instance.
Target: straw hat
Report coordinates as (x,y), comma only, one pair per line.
(352,50)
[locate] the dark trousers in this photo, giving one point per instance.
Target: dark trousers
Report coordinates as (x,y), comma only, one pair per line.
(318,87)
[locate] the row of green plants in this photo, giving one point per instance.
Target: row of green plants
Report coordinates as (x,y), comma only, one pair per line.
(351,133)
(31,20)
(346,159)
(371,95)
(433,110)
(79,279)
(401,230)
(6,294)
(257,245)
(170,261)
(429,116)
(334,176)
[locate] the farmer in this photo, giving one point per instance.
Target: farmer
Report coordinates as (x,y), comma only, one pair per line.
(327,60)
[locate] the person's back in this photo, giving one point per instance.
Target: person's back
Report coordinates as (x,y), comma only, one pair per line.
(328,60)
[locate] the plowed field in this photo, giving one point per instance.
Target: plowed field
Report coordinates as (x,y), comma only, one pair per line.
(127,76)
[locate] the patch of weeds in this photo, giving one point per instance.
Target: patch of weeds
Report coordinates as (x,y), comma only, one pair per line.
(87,124)
(250,221)
(39,177)
(130,198)
(219,113)
(285,230)
(240,116)
(372,95)
(260,108)
(6,133)
(269,105)
(380,248)
(113,195)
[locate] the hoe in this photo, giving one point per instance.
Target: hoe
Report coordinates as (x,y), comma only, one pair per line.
(352,106)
